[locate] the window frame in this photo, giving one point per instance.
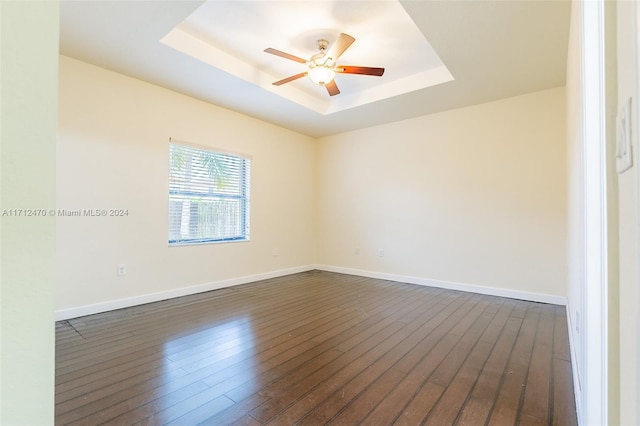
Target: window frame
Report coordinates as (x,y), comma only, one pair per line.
(244,197)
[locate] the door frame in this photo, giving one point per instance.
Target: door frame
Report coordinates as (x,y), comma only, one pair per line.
(594,395)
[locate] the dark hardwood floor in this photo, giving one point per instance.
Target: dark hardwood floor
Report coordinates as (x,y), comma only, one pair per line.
(316,348)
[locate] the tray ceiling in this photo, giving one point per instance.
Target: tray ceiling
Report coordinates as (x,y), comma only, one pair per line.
(494,49)
(232,36)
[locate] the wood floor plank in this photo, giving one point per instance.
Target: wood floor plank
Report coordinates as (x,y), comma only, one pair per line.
(414,412)
(121,363)
(375,340)
(449,367)
(121,412)
(199,317)
(197,331)
(378,404)
(243,392)
(315,348)
(199,414)
(106,396)
(535,407)
(438,342)
(564,408)
(283,400)
(446,409)
(480,402)
(508,402)
(250,386)
(358,362)
(561,335)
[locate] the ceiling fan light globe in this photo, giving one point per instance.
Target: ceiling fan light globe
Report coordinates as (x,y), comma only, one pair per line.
(321,75)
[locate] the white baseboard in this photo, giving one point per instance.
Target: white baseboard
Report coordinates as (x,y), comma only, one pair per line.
(472,288)
(64,314)
(80,311)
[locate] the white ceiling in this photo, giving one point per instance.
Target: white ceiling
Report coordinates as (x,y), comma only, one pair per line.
(493,50)
(211,35)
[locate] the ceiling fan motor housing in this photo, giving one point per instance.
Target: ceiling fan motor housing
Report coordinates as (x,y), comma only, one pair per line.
(322,45)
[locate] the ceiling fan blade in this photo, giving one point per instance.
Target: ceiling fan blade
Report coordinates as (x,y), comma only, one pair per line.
(285,55)
(332,88)
(288,79)
(341,44)
(350,69)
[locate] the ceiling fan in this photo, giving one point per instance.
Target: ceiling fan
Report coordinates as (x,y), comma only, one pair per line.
(322,67)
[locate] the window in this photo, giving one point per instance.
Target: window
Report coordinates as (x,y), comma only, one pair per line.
(208,196)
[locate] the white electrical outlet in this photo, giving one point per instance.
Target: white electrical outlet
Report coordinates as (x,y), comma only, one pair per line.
(276,252)
(380,252)
(122,269)
(357,251)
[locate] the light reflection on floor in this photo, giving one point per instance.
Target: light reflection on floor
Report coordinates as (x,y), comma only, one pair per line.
(198,355)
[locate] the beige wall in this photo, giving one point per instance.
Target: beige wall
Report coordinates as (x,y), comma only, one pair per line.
(629,216)
(473,196)
(28,122)
(113,153)
(613,241)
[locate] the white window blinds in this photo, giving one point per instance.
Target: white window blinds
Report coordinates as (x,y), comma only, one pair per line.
(208,196)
